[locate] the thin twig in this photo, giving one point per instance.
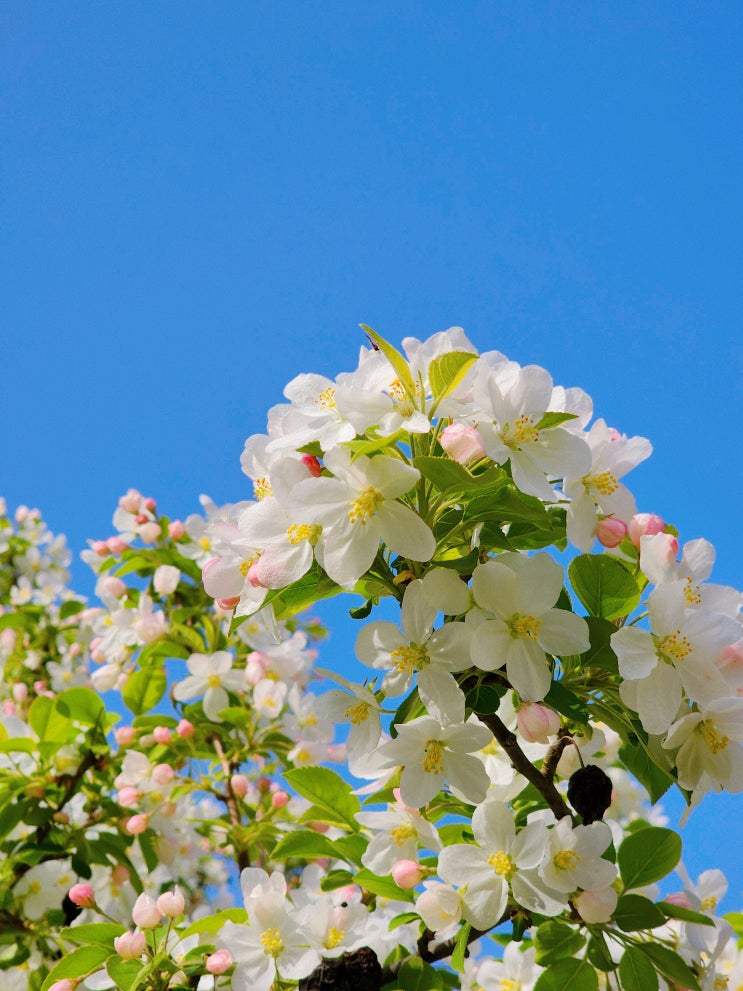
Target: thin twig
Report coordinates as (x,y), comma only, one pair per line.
(241,854)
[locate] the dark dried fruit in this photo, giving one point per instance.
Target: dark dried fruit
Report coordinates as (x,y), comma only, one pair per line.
(357,971)
(589,792)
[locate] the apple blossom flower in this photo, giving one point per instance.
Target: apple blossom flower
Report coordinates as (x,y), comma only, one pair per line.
(440,907)
(521,592)
(401,831)
(82,895)
(212,676)
(166,578)
(573,857)
(706,739)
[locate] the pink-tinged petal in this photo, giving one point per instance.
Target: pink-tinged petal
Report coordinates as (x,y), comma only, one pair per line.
(635,652)
(563,633)
(283,564)
(222,578)
(405,533)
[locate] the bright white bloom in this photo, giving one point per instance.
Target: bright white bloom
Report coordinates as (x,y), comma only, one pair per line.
(433,654)
(515,972)
(335,929)
(402,831)
(509,424)
(612,456)
(357,707)
(573,859)
(658,562)
(678,656)
(501,858)
(707,739)
(432,755)
(211,675)
(285,541)
(271,944)
(440,907)
(520,592)
(359,508)
(44,886)
(166,578)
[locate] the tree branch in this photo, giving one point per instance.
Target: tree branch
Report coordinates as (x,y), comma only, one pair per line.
(241,854)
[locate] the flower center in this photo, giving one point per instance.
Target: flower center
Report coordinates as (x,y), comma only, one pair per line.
(401,834)
(262,488)
(604,483)
(709,904)
(213,681)
(433,759)
(245,566)
(523,431)
(565,860)
(506,984)
(674,647)
(298,532)
(715,741)
(205,543)
(326,399)
(692,593)
(397,390)
(410,659)
(271,942)
(358,713)
(721,983)
(334,937)
(502,863)
(523,627)
(365,506)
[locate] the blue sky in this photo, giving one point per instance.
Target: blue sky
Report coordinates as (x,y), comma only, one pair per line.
(199,202)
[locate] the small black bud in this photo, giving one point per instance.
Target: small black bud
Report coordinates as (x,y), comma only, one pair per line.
(589,792)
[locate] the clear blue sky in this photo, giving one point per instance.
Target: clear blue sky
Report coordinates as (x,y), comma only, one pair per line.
(199,201)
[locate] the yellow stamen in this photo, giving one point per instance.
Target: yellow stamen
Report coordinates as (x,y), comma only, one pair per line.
(565,860)
(401,834)
(397,390)
(271,941)
(365,506)
(709,904)
(692,593)
(358,713)
(334,937)
(524,627)
(523,431)
(245,566)
(674,647)
(213,681)
(410,659)
(298,532)
(715,741)
(501,863)
(204,543)
(605,483)
(433,761)
(326,399)
(262,488)
(506,984)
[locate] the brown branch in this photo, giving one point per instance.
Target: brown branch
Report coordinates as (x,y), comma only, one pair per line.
(519,760)
(241,854)
(552,758)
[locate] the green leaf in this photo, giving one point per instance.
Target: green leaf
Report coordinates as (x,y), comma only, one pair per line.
(636,971)
(554,419)
(446,371)
(555,940)
(446,475)
(634,912)
(597,952)
(125,973)
(416,975)
(327,790)
(460,948)
(638,762)
(48,722)
(302,594)
(97,933)
(81,704)
(604,585)
(78,963)
(567,702)
(336,879)
(402,369)
(648,856)
(669,965)
(410,707)
(484,699)
(568,975)
(383,886)
(144,689)
(685,914)
(600,653)
(70,608)
(304,843)
(188,636)
(213,923)
(350,848)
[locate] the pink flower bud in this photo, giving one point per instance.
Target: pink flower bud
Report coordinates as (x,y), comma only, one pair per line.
(227,604)
(219,962)
(150,504)
(162,735)
(240,785)
(120,874)
(596,906)
(176,530)
(172,903)
(66,984)
(145,913)
(611,532)
(185,729)
(149,532)
(125,735)
(81,895)
(163,774)
(131,501)
(141,518)
(312,464)
(101,548)
(134,826)
(166,578)
(407,874)
(130,945)
(253,575)
(336,753)
(644,525)
(537,722)
(255,670)
(116,545)
(462,443)
(9,708)
(111,585)
(279,799)
(20,692)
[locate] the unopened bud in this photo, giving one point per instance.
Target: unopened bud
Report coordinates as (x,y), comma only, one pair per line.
(176,530)
(462,443)
(101,548)
(81,895)
(171,903)
(20,692)
(120,874)
(145,913)
(166,578)
(149,532)
(131,501)
(644,525)
(150,504)
(66,984)
(113,586)
(135,826)
(163,774)
(162,734)
(596,906)
(537,722)
(408,874)
(227,604)
(610,532)
(185,729)
(312,464)
(240,785)
(130,945)
(219,962)
(279,799)
(125,735)
(116,545)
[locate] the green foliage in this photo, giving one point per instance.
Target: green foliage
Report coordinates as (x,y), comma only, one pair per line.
(648,856)
(604,585)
